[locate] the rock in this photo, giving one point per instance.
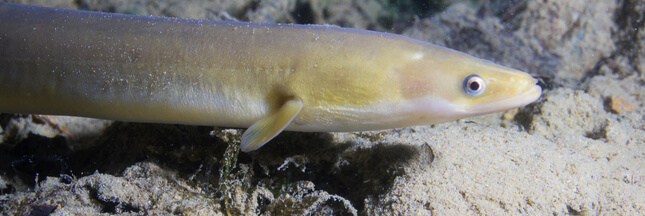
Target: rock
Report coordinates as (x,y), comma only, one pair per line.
(620,105)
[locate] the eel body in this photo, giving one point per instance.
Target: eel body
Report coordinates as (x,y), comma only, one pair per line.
(265,77)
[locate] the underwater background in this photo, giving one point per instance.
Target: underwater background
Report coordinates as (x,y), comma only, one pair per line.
(579,150)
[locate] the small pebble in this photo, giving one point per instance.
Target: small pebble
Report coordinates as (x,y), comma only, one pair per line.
(620,105)
(510,115)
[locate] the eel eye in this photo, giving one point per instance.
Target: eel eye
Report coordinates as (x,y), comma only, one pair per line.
(474,85)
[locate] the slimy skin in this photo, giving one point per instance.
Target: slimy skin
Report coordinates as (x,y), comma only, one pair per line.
(265,77)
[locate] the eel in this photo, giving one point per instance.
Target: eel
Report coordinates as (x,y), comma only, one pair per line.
(266,77)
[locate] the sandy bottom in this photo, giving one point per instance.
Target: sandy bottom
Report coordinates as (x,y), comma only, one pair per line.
(580,149)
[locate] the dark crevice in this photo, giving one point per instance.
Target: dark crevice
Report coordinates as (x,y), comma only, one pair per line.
(354,175)
(303,13)
(112,207)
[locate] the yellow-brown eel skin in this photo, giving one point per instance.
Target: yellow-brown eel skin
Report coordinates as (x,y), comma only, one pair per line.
(262,76)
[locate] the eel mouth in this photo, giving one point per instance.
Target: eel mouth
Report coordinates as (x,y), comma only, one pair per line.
(517,100)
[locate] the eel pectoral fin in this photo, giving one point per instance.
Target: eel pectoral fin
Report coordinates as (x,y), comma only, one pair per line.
(270,126)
